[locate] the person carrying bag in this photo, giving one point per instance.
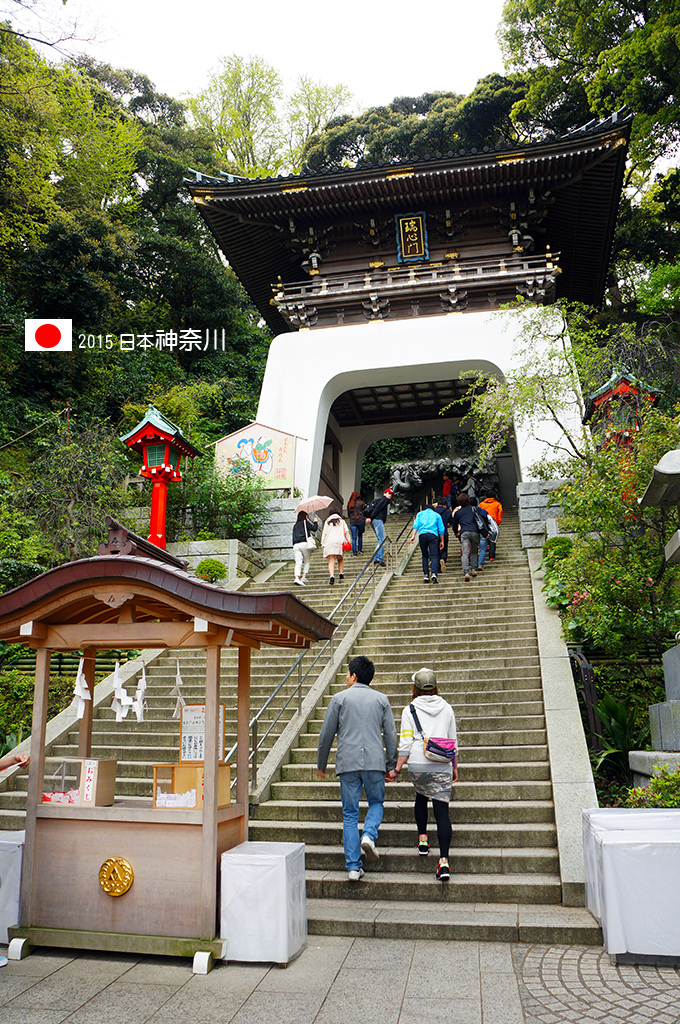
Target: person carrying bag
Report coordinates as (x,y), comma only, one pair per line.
(430,752)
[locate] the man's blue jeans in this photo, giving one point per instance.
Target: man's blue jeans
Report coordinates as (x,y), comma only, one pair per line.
(379,531)
(483,544)
(351,785)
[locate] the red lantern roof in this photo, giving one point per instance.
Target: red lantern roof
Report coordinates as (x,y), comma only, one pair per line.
(156,428)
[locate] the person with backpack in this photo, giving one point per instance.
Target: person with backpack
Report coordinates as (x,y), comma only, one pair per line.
(356,508)
(468,523)
(376,515)
(429,715)
(493,507)
(429,526)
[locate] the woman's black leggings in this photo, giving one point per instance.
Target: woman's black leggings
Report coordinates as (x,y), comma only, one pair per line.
(441,816)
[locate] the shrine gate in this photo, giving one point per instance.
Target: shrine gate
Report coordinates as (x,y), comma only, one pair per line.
(384,285)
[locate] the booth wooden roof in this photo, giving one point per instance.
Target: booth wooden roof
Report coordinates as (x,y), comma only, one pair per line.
(578,176)
(125,601)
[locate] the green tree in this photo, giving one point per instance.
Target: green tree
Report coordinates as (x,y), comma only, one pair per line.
(612,584)
(597,56)
(256,130)
(76,481)
(414,127)
(232,505)
(563,353)
(29,147)
(614,589)
(239,108)
(308,111)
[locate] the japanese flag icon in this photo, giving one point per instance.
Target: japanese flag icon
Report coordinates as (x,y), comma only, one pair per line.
(48,336)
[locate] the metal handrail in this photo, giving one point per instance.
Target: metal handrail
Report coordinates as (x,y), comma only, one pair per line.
(255,742)
(399,547)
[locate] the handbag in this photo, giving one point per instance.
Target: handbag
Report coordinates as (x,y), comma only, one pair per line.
(481,522)
(346,545)
(435,748)
(310,542)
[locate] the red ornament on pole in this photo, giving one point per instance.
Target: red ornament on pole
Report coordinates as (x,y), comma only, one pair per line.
(161,446)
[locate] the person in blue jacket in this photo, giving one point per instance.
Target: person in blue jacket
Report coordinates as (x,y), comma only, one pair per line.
(430,528)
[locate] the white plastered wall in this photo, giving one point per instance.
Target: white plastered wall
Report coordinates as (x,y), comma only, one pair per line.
(308,370)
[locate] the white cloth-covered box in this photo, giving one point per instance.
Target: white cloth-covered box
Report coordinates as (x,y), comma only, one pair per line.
(632,866)
(11,856)
(263,914)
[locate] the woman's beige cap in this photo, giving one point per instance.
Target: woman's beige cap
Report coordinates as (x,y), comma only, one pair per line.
(425,679)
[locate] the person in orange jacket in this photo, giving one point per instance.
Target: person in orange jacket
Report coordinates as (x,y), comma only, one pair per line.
(493,507)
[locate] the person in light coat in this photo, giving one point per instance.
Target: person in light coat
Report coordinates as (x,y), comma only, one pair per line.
(335,534)
(432,780)
(365,758)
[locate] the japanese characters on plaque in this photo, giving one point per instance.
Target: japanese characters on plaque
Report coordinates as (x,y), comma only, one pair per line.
(411,237)
(192,735)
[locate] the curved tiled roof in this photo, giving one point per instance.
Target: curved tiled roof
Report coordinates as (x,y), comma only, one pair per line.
(581,174)
(67,595)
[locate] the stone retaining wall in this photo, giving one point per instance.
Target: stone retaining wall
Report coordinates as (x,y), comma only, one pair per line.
(238,558)
(275,538)
(536,514)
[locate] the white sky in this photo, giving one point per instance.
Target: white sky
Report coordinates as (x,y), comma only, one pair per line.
(380,50)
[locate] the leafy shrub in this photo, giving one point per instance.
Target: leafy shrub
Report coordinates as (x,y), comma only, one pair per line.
(16,700)
(233,505)
(663,790)
(554,550)
(10,741)
(211,569)
(620,733)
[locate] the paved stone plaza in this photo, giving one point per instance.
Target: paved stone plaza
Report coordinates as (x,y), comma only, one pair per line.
(340,980)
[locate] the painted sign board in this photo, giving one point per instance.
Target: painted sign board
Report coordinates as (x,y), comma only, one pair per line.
(269,453)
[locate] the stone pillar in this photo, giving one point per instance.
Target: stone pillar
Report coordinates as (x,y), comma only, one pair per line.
(664,719)
(533,501)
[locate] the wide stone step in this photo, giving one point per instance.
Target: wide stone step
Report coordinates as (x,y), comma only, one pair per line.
(12,819)
(462,888)
(305,771)
(525,811)
(401,835)
(462,791)
(474,922)
(463,860)
(474,728)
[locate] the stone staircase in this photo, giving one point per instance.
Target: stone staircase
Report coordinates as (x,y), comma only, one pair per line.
(481,639)
(138,746)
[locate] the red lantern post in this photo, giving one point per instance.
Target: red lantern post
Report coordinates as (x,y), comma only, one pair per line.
(161,446)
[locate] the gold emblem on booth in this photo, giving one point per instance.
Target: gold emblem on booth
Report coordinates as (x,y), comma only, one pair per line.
(116,876)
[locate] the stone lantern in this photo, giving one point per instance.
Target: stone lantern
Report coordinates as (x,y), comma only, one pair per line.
(663,490)
(161,446)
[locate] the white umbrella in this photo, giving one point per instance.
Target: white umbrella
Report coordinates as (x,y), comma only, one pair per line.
(313,504)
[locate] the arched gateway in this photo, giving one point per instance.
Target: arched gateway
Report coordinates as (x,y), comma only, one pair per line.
(383,284)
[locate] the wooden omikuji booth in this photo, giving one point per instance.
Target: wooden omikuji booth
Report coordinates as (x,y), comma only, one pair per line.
(170,907)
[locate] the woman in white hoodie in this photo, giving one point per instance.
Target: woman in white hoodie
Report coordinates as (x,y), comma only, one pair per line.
(432,780)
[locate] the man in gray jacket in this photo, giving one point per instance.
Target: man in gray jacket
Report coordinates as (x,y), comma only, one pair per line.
(364,723)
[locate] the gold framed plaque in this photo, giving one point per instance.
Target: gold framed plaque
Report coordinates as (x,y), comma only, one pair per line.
(116,876)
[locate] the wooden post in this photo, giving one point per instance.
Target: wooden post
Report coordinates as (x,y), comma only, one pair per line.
(209,831)
(85,727)
(242,750)
(36,773)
